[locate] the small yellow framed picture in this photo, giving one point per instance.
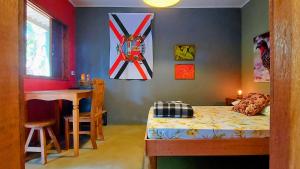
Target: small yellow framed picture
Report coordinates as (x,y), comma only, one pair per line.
(185,52)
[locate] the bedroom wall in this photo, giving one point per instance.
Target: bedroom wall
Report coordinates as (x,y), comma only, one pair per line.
(255,21)
(216,34)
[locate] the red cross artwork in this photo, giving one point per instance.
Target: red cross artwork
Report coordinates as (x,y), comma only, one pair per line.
(130,47)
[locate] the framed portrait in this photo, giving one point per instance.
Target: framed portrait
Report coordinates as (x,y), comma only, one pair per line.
(262,58)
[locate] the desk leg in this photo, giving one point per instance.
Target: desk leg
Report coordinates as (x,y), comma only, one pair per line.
(76,127)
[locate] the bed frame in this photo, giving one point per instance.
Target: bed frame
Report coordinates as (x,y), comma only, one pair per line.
(200,147)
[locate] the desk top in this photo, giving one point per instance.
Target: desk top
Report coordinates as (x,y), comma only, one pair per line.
(58,91)
(57,94)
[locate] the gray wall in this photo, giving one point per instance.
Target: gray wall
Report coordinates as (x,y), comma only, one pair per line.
(216,34)
(255,21)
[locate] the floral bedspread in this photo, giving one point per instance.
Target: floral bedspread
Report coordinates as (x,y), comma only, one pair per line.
(209,122)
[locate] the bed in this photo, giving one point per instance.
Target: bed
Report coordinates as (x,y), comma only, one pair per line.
(213,131)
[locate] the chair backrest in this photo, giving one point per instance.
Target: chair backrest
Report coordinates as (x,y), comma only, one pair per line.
(97,97)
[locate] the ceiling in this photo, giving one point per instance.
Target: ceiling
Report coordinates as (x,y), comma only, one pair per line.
(182,4)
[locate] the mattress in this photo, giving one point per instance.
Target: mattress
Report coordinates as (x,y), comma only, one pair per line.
(209,122)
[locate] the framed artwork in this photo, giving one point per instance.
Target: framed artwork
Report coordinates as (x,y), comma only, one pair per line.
(262,58)
(131,49)
(184,71)
(185,52)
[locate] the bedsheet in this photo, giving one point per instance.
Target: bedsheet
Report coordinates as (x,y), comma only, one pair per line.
(209,122)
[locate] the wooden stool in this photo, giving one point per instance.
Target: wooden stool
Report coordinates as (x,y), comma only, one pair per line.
(41,127)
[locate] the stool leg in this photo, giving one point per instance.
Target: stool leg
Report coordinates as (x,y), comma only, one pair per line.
(29,139)
(43,146)
(53,138)
(67,134)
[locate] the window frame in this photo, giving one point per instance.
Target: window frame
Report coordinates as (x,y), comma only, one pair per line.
(64,59)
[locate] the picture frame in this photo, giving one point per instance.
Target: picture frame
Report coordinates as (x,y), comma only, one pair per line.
(184,71)
(184,52)
(261,58)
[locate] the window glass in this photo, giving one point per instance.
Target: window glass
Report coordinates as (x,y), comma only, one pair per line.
(38,43)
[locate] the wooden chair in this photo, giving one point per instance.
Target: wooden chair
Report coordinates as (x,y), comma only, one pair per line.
(41,126)
(94,117)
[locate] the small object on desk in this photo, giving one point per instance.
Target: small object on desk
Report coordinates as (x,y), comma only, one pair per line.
(85,81)
(85,84)
(82,77)
(228,101)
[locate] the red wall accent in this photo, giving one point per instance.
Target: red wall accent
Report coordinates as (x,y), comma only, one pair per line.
(63,11)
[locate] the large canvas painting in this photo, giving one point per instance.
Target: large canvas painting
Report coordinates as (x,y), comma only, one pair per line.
(131,53)
(262,58)
(184,71)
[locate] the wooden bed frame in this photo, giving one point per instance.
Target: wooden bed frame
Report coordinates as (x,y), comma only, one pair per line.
(199,147)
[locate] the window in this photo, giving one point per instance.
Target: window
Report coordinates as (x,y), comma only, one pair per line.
(38,43)
(45,45)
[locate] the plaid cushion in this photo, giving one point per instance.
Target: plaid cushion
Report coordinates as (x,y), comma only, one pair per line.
(175,109)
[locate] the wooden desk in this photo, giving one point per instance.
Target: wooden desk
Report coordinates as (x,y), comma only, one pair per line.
(71,95)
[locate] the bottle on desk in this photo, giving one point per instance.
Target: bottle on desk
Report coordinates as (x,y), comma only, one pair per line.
(85,81)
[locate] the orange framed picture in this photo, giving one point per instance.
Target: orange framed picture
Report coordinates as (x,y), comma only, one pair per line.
(184,71)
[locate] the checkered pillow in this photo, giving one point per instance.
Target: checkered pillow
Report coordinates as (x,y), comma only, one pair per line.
(176,109)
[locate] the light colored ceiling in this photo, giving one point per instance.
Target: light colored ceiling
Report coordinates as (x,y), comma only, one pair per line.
(182,4)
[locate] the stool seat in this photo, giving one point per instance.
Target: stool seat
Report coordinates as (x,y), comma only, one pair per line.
(39,124)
